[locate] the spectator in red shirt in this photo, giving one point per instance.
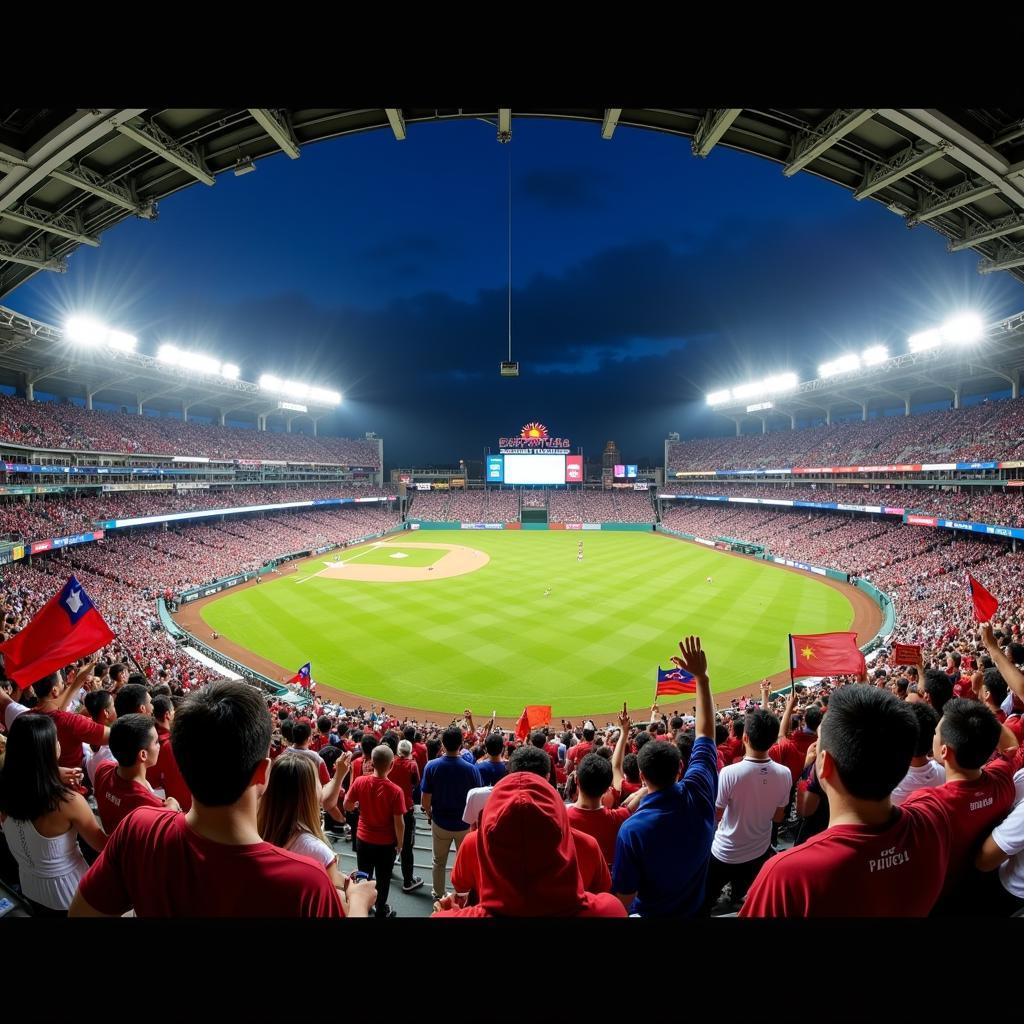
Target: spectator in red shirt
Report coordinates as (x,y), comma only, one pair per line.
(210,862)
(121,784)
(595,777)
(54,696)
(165,774)
(381,824)
(528,865)
(874,860)
(993,692)
(976,798)
(406,775)
(574,755)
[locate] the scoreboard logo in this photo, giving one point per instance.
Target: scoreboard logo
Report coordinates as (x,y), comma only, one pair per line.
(534,437)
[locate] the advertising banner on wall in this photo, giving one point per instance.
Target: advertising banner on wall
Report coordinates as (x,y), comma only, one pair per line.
(574,469)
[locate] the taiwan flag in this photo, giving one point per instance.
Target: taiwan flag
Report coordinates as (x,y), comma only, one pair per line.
(675,680)
(302,676)
(67,627)
(822,654)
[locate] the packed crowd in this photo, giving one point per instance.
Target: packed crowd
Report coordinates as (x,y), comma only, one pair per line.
(72,427)
(990,431)
(62,515)
(1002,507)
(901,794)
(126,573)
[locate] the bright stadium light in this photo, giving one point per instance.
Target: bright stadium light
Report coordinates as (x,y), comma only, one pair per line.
(90,333)
(325,396)
(844,364)
(748,390)
(85,331)
(780,382)
(964,329)
(196,362)
(924,340)
(119,341)
(170,354)
(874,355)
(296,390)
(719,397)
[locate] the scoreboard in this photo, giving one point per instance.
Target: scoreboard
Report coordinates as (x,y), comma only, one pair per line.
(535,468)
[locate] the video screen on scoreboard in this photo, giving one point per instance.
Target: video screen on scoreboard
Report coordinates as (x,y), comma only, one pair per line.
(534,469)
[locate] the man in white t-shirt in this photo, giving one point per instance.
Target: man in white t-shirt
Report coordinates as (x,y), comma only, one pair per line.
(751,795)
(1004,849)
(924,771)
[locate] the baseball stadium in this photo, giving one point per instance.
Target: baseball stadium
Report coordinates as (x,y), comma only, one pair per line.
(831,539)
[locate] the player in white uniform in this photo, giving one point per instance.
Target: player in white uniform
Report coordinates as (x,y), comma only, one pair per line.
(710,580)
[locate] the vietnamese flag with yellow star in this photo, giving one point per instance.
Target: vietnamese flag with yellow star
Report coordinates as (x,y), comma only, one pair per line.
(824,654)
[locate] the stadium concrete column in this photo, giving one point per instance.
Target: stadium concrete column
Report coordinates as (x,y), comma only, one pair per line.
(764,424)
(906,405)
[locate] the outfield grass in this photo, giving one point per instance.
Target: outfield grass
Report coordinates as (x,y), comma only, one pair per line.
(491,640)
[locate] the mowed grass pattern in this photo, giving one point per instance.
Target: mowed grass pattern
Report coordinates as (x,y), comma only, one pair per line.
(491,640)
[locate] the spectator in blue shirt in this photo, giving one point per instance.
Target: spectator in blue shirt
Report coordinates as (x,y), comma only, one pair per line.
(492,769)
(662,850)
(446,781)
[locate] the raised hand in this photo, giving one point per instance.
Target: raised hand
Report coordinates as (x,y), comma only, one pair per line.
(624,720)
(694,660)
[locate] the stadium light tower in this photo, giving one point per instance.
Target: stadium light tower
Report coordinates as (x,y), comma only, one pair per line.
(924,340)
(719,397)
(874,355)
(90,333)
(844,364)
(965,329)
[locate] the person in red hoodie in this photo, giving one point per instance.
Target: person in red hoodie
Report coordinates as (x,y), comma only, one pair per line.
(594,871)
(528,866)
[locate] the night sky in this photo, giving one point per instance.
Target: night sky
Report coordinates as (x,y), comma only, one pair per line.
(642,278)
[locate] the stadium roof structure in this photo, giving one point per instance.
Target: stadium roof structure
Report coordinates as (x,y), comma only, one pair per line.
(948,372)
(66,175)
(36,354)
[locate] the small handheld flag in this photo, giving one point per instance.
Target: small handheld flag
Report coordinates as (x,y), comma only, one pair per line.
(534,716)
(985,604)
(68,626)
(820,654)
(675,680)
(302,676)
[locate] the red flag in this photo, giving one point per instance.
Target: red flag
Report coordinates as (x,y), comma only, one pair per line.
(533,717)
(821,654)
(985,604)
(66,627)
(906,654)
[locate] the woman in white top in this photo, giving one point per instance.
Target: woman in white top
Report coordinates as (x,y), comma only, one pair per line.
(41,818)
(289,815)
